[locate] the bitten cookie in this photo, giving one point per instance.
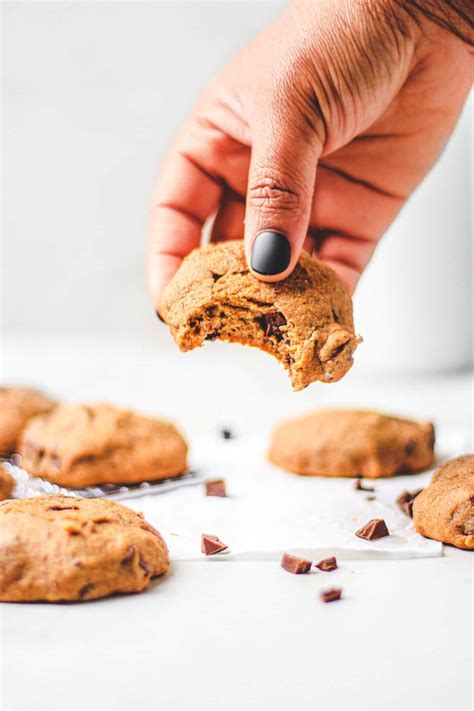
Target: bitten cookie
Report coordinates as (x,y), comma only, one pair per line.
(63,548)
(352,443)
(304,321)
(17,406)
(445,509)
(7,484)
(80,445)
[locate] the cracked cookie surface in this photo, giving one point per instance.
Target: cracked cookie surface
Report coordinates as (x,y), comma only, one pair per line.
(304,321)
(17,406)
(445,509)
(56,548)
(80,445)
(352,443)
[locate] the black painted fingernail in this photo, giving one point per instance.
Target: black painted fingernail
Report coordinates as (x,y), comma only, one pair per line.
(159,317)
(271,253)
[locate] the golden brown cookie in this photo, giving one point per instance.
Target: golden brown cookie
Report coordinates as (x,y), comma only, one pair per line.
(304,321)
(7,484)
(17,405)
(80,445)
(445,509)
(353,443)
(63,548)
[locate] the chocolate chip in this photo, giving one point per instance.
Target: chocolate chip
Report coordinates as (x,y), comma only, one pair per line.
(85,590)
(270,323)
(331,594)
(227,433)
(292,564)
(212,336)
(211,544)
(335,315)
(129,556)
(215,487)
(405,501)
(338,350)
(143,565)
(216,276)
(410,447)
(327,564)
(63,508)
(376,528)
(359,486)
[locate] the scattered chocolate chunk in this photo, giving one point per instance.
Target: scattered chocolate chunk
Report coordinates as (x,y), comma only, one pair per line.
(270,323)
(376,528)
(212,336)
(405,501)
(227,433)
(211,544)
(292,564)
(327,564)
(331,594)
(359,486)
(215,487)
(85,590)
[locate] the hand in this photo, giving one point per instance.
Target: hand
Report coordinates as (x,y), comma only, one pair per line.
(314,136)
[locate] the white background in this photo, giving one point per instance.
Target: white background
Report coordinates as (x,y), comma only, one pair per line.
(92,94)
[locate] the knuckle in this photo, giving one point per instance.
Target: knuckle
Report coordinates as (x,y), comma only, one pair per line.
(270,191)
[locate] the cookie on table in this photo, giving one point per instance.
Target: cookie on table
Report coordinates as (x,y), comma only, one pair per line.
(17,406)
(445,509)
(304,321)
(352,443)
(7,484)
(81,445)
(57,548)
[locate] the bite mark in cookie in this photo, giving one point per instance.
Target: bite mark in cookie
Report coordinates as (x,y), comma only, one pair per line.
(294,320)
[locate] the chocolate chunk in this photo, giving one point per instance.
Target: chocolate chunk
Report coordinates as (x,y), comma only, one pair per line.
(271,322)
(405,501)
(376,528)
(227,433)
(129,556)
(216,487)
(212,336)
(143,565)
(85,590)
(331,594)
(63,508)
(211,544)
(410,447)
(327,564)
(338,350)
(292,564)
(359,486)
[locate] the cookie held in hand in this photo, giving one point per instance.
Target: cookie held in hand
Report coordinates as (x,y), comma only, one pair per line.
(352,443)
(445,509)
(304,321)
(56,548)
(80,445)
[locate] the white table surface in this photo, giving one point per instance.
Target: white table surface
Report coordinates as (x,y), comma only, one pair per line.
(230,634)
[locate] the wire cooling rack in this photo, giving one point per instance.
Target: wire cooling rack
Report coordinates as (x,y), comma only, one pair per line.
(28,486)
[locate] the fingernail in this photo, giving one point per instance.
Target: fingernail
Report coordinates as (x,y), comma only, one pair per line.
(159,317)
(271,253)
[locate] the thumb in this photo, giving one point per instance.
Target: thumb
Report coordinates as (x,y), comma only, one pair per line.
(285,151)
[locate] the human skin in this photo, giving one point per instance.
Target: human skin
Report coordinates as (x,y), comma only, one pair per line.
(319,129)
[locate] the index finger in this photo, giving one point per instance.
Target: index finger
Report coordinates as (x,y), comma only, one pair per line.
(186,194)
